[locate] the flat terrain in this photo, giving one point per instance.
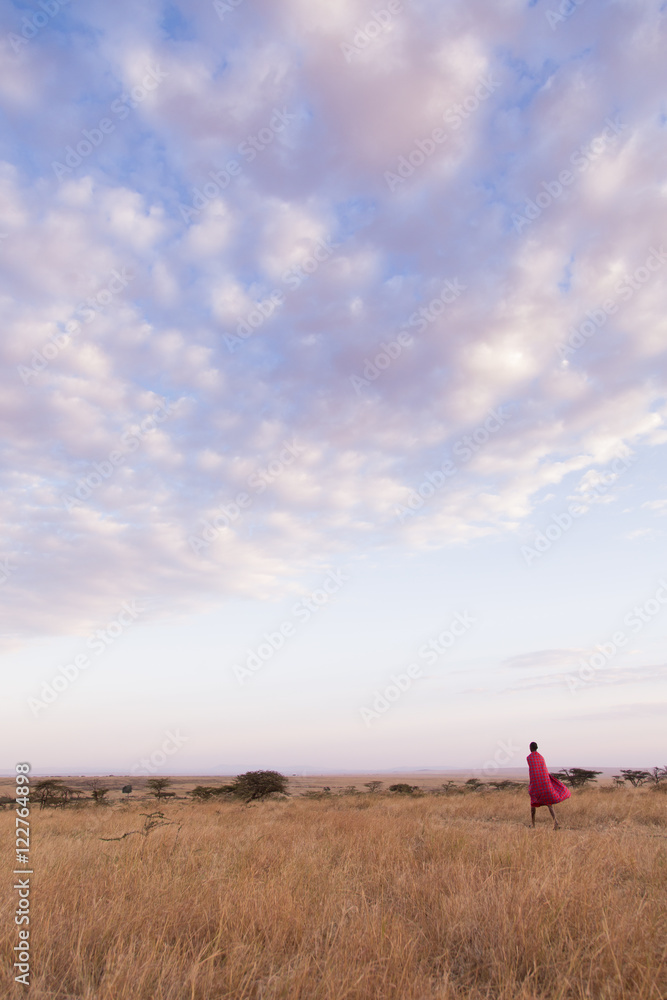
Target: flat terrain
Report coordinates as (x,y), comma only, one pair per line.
(344,897)
(428,780)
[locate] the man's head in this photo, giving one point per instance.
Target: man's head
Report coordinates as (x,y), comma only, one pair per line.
(533,747)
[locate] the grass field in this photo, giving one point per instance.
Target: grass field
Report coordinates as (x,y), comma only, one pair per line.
(348,897)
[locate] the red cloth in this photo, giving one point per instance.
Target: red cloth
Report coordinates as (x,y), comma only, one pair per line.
(544,790)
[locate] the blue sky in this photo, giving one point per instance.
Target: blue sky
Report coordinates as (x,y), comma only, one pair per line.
(333,388)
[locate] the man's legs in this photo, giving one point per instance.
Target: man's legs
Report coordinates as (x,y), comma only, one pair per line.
(532,815)
(553,816)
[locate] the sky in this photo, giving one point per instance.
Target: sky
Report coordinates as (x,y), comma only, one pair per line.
(333,384)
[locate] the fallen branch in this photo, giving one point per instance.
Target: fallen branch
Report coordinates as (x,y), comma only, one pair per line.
(153,821)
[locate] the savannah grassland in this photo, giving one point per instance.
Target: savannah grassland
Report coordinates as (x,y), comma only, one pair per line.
(348,897)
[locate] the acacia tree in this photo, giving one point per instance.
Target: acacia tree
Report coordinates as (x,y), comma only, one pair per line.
(52,792)
(474,784)
(635,776)
(576,777)
(373,786)
(258,784)
(98,791)
(202,793)
(158,785)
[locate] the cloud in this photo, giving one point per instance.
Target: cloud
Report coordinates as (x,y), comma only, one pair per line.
(660,506)
(614,676)
(627,712)
(545,659)
(316,174)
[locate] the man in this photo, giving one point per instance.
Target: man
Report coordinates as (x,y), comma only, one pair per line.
(544,790)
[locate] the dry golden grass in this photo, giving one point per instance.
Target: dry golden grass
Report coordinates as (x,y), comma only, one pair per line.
(353,897)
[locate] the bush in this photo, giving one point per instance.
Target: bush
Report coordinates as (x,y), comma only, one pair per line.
(204,792)
(403,789)
(258,784)
(474,784)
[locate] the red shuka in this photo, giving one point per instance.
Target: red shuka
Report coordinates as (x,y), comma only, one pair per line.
(544,790)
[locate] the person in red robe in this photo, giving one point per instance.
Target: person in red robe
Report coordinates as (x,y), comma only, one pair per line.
(544,790)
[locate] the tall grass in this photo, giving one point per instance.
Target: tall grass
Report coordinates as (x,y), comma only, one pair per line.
(349,898)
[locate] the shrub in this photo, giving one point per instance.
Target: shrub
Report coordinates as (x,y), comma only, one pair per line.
(474,784)
(204,792)
(258,784)
(401,788)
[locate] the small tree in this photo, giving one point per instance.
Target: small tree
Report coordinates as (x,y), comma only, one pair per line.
(401,788)
(576,777)
(201,793)
(474,784)
(373,786)
(258,784)
(98,791)
(635,776)
(158,785)
(52,792)
(657,774)
(451,787)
